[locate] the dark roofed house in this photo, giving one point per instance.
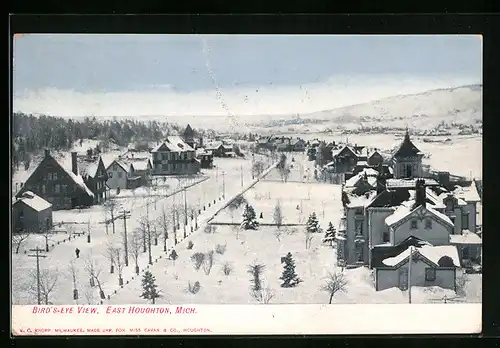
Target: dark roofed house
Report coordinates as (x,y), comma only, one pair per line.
(174,157)
(64,188)
(189,135)
(94,174)
(31,213)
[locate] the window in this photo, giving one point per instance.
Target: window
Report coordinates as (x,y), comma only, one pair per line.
(49,176)
(449,205)
(120,174)
(358,227)
(21,213)
(465,253)
(385,237)
(54,176)
(428,224)
(414,224)
(44,189)
(110,174)
(57,188)
(430,274)
(465,221)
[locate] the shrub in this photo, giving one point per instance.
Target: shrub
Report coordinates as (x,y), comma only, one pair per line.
(220,249)
(194,288)
(227,268)
(190,245)
(208,262)
(198,259)
(210,229)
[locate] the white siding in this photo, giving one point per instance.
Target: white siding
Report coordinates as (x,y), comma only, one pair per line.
(471,209)
(388,278)
(439,234)
(114,181)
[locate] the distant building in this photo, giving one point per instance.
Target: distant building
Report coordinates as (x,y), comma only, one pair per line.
(118,172)
(62,187)
(93,172)
(140,172)
(189,136)
(31,213)
(174,157)
(206,158)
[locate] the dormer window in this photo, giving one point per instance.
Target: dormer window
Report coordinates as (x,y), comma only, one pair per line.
(414,224)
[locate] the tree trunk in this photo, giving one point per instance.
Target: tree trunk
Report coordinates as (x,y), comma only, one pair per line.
(154,300)
(331,298)
(75,294)
(120,281)
(112,269)
(136,269)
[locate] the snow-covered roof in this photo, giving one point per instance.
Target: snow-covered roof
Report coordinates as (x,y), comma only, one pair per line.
(174,143)
(214,145)
(123,164)
(362,163)
(78,179)
(467,237)
(468,194)
(140,165)
(404,210)
(87,167)
(432,253)
(361,201)
(408,183)
(35,202)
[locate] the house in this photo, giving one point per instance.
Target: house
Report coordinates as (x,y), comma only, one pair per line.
(94,174)
(206,158)
(62,187)
(140,172)
(374,158)
(407,160)
(174,157)
(298,145)
(188,136)
(118,172)
(345,159)
(430,265)
(31,213)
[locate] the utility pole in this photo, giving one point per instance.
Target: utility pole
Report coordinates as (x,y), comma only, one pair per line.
(88,228)
(241,171)
(223,186)
(185,212)
(37,255)
(125,216)
(409,274)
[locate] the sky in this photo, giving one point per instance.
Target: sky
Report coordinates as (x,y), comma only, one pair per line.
(129,75)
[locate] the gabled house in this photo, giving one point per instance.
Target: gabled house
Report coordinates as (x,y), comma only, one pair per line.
(298,145)
(344,159)
(31,213)
(174,157)
(374,158)
(206,158)
(118,172)
(93,172)
(140,172)
(324,153)
(62,187)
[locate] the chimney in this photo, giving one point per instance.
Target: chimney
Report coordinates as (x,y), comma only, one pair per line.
(420,195)
(47,152)
(74,163)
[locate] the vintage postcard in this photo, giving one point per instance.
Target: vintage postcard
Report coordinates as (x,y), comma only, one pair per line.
(246,184)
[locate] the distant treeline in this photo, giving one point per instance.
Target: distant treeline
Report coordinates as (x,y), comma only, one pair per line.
(31,134)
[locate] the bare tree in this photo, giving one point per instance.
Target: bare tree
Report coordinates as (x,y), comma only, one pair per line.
(74,276)
(48,281)
(119,264)
(89,296)
(258,168)
(335,282)
(18,239)
(163,223)
(144,228)
(134,246)
(264,295)
(235,204)
(94,272)
(46,232)
(309,237)
(111,211)
(208,262)
(109,253)
(278,215)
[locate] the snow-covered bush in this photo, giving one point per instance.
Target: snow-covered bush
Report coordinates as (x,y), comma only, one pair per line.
(208,262)
(194,288)
(255,270)
(190,245)
(227,268)
(220,249)
(289,277)
(149,291)
(198,259)
(210,229)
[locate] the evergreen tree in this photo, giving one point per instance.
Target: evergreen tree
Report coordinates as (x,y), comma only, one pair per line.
(149,291)
(289,277)
(249,218)
(312,225)
(329,234)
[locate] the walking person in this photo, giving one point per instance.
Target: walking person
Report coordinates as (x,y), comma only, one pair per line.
(77,252)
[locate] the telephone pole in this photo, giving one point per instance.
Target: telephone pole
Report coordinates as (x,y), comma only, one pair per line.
(125,216)
(37,255)
(409,274)
(241,175)
(223,186)
(185,212)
